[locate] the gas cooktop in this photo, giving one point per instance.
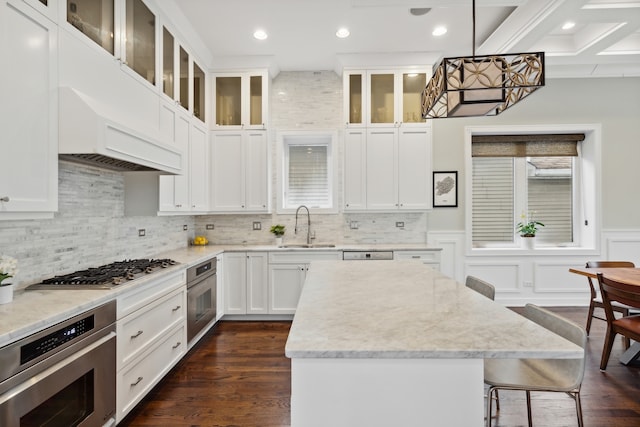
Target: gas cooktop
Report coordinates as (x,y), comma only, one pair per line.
(106,276)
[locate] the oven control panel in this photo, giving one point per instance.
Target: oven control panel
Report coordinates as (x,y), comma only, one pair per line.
(55,339)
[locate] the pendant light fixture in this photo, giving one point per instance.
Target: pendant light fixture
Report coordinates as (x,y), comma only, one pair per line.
(483,85)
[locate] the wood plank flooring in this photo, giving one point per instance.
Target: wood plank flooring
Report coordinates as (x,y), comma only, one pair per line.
(238,376)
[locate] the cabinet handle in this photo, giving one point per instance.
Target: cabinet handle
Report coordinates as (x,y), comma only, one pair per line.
(415,256)
(136,335)
(137,382)
(176,309)
(177,345)
(4,199)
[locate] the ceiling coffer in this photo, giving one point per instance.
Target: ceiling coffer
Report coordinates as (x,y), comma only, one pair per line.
(484,85)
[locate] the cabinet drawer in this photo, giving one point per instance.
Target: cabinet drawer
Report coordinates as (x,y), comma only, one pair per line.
(143,295)
(421,255)
(138,330)
(303,257)
(137,379)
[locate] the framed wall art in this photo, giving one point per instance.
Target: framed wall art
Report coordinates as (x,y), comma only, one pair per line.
(445,189)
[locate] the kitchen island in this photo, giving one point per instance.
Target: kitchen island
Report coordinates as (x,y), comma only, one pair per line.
(382,343)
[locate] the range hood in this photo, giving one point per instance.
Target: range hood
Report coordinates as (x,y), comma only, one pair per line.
(90,134)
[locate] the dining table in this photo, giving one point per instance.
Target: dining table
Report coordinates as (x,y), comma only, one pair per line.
(630,275)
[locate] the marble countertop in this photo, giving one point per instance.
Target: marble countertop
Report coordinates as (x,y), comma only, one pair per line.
(404,309)
(34,310)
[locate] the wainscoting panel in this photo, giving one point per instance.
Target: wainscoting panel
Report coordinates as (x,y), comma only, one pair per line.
(623,246)
(505,275)
(554,277)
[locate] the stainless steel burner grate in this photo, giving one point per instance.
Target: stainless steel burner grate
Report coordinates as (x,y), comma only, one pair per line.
(106,276)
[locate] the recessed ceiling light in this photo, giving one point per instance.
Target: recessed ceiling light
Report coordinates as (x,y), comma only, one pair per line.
(568,25)
(260,34)
(439,31)
(342,33)
(419,11)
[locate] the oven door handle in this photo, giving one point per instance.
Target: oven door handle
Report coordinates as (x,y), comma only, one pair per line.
(40,376)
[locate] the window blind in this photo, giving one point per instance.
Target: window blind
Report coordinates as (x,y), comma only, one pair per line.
(308,177)
(493,200)
(530,145)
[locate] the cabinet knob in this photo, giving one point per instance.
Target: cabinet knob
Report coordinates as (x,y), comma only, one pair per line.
(4,199)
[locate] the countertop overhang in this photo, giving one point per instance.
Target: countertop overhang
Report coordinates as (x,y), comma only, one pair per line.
(404,309)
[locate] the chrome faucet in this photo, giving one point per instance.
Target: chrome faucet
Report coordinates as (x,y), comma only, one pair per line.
(295,230)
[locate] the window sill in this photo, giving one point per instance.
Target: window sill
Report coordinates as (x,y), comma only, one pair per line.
(538,251)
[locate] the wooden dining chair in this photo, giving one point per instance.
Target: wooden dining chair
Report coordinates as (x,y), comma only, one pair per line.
(596,299)
(627,326)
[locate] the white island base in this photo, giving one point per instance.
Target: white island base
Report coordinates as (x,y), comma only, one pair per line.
(398,344)
(387,392)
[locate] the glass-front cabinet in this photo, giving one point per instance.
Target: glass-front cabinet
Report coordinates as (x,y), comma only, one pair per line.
(198,92)
(168,63)
(133,33)
(95,19)
(241,100)
(140,40)
(382,98)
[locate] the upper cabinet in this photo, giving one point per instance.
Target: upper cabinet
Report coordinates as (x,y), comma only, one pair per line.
(140,40)
(125,54)
(387,148)
(241,100)
(383,98)
(29,122)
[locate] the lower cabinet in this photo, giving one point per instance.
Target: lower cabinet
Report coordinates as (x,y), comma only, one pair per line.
(151,337)
(287,272)
(430,258)
(245,281)
(286,286)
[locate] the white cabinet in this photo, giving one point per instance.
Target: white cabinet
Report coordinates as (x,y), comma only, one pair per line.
(286,286)
(241,100)
(287,272)
(29,118)
(188,192)
(382,98)
(245,283)
(387,143)
(199,167)
(239,168)
(151,337)
(388,169)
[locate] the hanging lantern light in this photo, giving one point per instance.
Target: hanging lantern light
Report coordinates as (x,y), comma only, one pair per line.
(483,85)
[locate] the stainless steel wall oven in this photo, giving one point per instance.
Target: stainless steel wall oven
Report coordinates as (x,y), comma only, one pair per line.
(201,296)
(64,375)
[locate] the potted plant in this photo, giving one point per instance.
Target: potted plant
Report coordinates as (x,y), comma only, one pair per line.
(8,269)
(278,231)
(528,228)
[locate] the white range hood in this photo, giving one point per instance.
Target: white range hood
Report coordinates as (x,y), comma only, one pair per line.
(89,133)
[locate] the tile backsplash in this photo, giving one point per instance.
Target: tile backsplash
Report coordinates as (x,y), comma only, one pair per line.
(88,230)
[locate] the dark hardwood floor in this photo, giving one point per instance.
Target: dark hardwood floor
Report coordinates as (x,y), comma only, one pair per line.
(238,376)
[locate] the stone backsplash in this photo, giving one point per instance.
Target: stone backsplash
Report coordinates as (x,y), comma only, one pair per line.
(88,230)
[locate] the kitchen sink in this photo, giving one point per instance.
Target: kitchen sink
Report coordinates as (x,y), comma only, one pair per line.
(310,246)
